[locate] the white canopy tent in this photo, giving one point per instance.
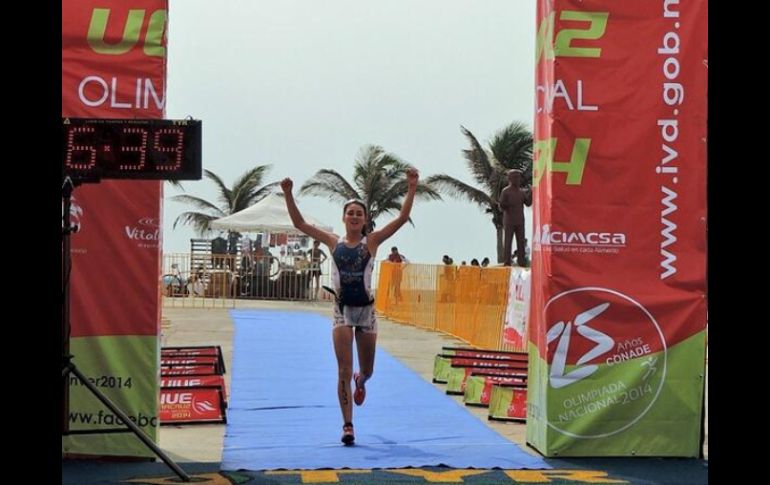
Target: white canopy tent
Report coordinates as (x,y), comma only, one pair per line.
(267,215)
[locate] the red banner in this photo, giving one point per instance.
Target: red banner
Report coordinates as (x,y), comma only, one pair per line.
(518,407)
(620,173)
(209,350)
(189,370)
(191,360)
(497,380)
(619,262)
(195,381)
(114,66)
(484,354)
(192,405)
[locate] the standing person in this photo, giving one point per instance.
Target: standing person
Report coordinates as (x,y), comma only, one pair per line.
(317,258)
(352,264)
(218,251)
(512,201)
(396,257)
(247,254)
(447,280)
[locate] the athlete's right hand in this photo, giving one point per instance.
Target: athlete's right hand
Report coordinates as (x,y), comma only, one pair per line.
(287,185)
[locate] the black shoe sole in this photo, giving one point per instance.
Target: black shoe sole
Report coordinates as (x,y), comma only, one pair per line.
(349,440)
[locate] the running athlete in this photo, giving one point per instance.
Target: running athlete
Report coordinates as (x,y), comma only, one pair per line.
(354,318)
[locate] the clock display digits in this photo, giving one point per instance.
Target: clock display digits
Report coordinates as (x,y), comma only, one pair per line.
(135,153)
(169,141)
(80,157)
(105,148)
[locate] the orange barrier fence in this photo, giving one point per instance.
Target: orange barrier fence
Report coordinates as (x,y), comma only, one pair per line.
(468,302)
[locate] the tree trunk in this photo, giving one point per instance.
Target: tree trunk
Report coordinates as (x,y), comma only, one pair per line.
(500,248)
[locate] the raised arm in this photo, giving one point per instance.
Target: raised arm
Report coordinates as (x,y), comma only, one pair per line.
(299,222)
(377,237)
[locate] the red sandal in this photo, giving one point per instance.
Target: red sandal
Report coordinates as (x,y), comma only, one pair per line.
(347,434)
(360,393)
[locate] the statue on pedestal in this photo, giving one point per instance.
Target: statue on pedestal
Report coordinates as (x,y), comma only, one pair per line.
(512,201)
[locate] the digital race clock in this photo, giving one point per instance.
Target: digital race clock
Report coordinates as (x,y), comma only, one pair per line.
(96,148)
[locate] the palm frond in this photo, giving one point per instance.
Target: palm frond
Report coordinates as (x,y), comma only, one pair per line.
(251,178)
(460,190)
(512,148)
(176,184)
(478,160)
(379,180)
(198,203)
(225,194)
(261,193)
(245,192)
(425,191)
(244,187)
(329,183)
(200,222)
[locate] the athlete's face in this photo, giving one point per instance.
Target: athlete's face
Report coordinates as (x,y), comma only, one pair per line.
(354,217)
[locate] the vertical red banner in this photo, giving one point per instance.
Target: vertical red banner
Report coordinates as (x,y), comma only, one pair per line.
(619,267)
(114,66)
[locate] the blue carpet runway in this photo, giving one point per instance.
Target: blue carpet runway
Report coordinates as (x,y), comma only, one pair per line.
(283,411)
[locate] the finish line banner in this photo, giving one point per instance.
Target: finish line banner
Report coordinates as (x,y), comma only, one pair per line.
(114,66)
(618,308)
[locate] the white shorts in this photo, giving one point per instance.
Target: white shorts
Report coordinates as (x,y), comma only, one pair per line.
(368,325)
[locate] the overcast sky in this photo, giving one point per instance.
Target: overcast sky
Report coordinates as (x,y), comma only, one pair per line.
(304,84)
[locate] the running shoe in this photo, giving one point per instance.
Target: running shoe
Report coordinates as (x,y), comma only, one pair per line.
(360,393)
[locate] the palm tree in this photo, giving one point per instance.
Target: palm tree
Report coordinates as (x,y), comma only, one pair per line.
(511,147)
(246,191)
(379,181)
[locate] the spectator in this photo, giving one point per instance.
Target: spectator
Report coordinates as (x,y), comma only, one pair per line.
(396,257)
(317,258)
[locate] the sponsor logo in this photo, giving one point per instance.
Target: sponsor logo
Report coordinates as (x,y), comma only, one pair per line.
(603,344)
(606,358)
(149,221)
(132,27)
(204,407)
(547,238)
(146,232)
